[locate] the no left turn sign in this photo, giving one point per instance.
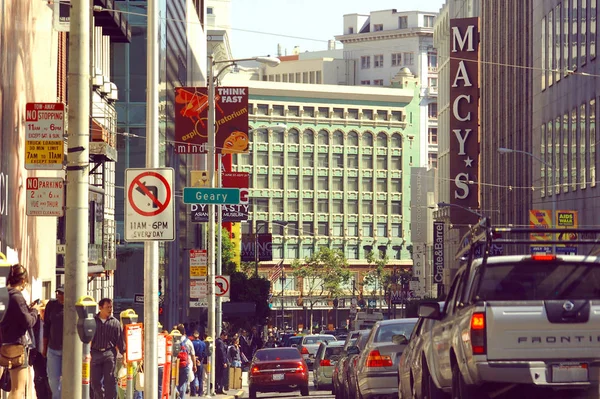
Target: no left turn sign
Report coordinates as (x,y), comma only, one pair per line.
(149,211)
(222,286)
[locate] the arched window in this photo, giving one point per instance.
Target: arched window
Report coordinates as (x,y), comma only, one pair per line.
(382,140)
(308,137)
(323,137)
(353,138)
(293,136)
(338,138)
(367,139)
(396,140)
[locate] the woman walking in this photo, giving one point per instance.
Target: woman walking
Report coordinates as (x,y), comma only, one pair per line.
(18,320)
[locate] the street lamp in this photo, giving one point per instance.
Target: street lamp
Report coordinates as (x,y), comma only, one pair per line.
(282,278)
(445,205)
(503,150)
(211,80)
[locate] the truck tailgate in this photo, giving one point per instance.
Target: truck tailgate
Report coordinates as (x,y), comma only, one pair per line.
(535,330)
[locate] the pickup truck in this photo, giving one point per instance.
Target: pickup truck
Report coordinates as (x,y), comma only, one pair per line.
(522,324)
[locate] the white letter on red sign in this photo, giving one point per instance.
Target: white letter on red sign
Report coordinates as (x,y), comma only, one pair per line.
(461,139)
(455,108)
(461,73)
(460,182)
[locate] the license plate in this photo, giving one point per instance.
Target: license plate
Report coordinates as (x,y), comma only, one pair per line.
(570,372)
(278,377)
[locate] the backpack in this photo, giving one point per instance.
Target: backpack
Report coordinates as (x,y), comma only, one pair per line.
(183,355)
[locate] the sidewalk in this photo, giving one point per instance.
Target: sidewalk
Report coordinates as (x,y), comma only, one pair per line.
(233,393)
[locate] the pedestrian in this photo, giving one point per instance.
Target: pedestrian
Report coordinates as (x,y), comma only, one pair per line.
(200,351)
(37,359)
(221,372)
(246,347)
(107,342)
(270,342)
(187,361)
(18,320)
(53,341)
(256,340)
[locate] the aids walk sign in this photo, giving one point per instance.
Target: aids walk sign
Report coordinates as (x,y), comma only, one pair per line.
(149,205)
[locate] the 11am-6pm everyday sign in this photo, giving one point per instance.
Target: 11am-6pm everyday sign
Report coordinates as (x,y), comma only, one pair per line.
(44,136)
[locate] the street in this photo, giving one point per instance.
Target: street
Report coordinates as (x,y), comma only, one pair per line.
(320,394)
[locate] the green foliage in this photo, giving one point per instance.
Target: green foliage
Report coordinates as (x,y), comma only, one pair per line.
(227,254)
(378,274)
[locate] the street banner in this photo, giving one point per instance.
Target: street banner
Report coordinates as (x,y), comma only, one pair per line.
(264,247)
(438,253)
(231,120)
(540,218)
(564,220)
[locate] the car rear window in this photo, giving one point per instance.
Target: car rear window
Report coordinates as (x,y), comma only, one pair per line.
(295,340)
(333,351)
(386,331)
(537,280)
(279,354)
(317,340)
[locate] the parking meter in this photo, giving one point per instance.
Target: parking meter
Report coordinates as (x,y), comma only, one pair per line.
(209,344)
(86,325)
(128,316)
(176,342)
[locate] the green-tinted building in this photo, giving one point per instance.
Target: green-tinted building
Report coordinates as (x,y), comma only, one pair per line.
(339,176)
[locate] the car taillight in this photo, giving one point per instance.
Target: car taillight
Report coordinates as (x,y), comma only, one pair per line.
(301,367)
(325,362)
(304,351)
(255,370)
(376,360)
(478,333)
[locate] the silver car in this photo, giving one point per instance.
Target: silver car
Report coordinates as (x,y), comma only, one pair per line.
(309,345)
(326,358)
(377,365)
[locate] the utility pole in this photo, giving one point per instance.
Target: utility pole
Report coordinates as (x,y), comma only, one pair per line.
(77,225)
(219,304)
(151,247)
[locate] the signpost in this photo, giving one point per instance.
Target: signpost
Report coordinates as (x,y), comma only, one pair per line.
(45,196)
(217,196)
(44,136)
(149,210)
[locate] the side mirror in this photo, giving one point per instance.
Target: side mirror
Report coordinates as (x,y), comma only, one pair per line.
(353,350)
(399,339)
(430,310)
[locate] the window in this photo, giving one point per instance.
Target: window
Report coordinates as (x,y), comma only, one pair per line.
(308,205)
(262,181)
(284,77)
(337,183)
(368,114)
(352,229)
(262,109)
(262,158)
(433,160)
(209,10)
(323,229)
(292,182)
(291,77)
(323,183)
(323,135)
(278,111)
(338,206)
(396,59)
(292,251)
(378,61)
(323,206)
(308,137)
(382,185)
(367,184)
(353,183)
(365,82)
(382,162)
(593,7)
(382,137)
(338,113)
(308,183)
(293,159)
(432,110)
(312,77)
(583,32)
(338,138)
(338,229)
(402,22)
(352,207)
(309,111)
(277,184)
(428,21)
(396,208)
(583,149)
(319,77)
(409,58)
(277,206)
(396,230)
(365,62)
(396,186)
(323,160)
(353,139)
(307,228)
(382,207)
(261,205)
(277,158)
(592,138)
(367,161)
(396,162)
(367,229)
(338,161)
(377,27)
(574,35)
(378,82)
(396,139)
(307,159)
(352,161)
(323,113)
(432,62)
(367,138)
(352,113)
(350,30)
(433,83)
(381,230)
(432,138)
(298,77)
(304,77)
(292,207)
(367,207)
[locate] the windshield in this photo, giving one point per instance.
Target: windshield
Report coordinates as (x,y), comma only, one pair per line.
(279,354)
(387,331)
(540,281)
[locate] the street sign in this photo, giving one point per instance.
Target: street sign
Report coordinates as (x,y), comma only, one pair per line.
(45,196)
(149,205)
(198,257)
(229,213)
(44,136)
(199,304)
(222,285)
(198,289)
(138,298)
(218,196)
(134,338)
(198,271)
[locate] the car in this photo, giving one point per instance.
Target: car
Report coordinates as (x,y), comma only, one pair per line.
(338,370)
(412,366)
(284,339)
(328,354)
(309,345)
(277,370)
(294,341)
(376,372)
(349,377)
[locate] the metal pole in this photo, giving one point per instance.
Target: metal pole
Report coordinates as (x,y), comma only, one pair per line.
(87,360)
(76,255)
(211,219)
(282,309)
(256,257)
(553,218)
(129,391)
(151,247)
(219,321)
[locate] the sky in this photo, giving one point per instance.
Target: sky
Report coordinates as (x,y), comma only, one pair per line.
(257,26)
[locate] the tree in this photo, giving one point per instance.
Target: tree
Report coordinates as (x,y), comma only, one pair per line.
(228,265)
(378,274)
(323,274)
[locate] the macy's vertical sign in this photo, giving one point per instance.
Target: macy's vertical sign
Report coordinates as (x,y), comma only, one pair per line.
(464,116)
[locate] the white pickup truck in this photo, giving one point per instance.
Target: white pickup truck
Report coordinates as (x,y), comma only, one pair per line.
(519,324)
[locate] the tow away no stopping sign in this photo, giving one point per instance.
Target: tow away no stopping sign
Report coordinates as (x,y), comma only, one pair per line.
(149,210)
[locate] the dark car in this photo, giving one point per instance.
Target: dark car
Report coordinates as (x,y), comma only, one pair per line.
(348,390)
(285,339)
(295,341)
(277,370)
(338,370)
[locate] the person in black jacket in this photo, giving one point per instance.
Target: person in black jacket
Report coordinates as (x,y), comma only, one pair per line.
(18,320)
(221,371)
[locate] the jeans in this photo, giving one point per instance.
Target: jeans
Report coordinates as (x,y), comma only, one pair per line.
(103,379)
(182,385)
(160,381)
(196,388)
(54,369)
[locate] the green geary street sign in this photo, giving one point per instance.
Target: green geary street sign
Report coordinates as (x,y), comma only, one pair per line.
(217,196)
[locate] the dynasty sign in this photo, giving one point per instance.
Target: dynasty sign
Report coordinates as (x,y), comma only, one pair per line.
(464,121)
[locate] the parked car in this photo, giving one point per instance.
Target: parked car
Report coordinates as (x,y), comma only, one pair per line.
(349,378)
(412,365)
(328,354)
(339,369)
(284,339)
(309,345)
(295,341)
(377,365)
(277,370)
